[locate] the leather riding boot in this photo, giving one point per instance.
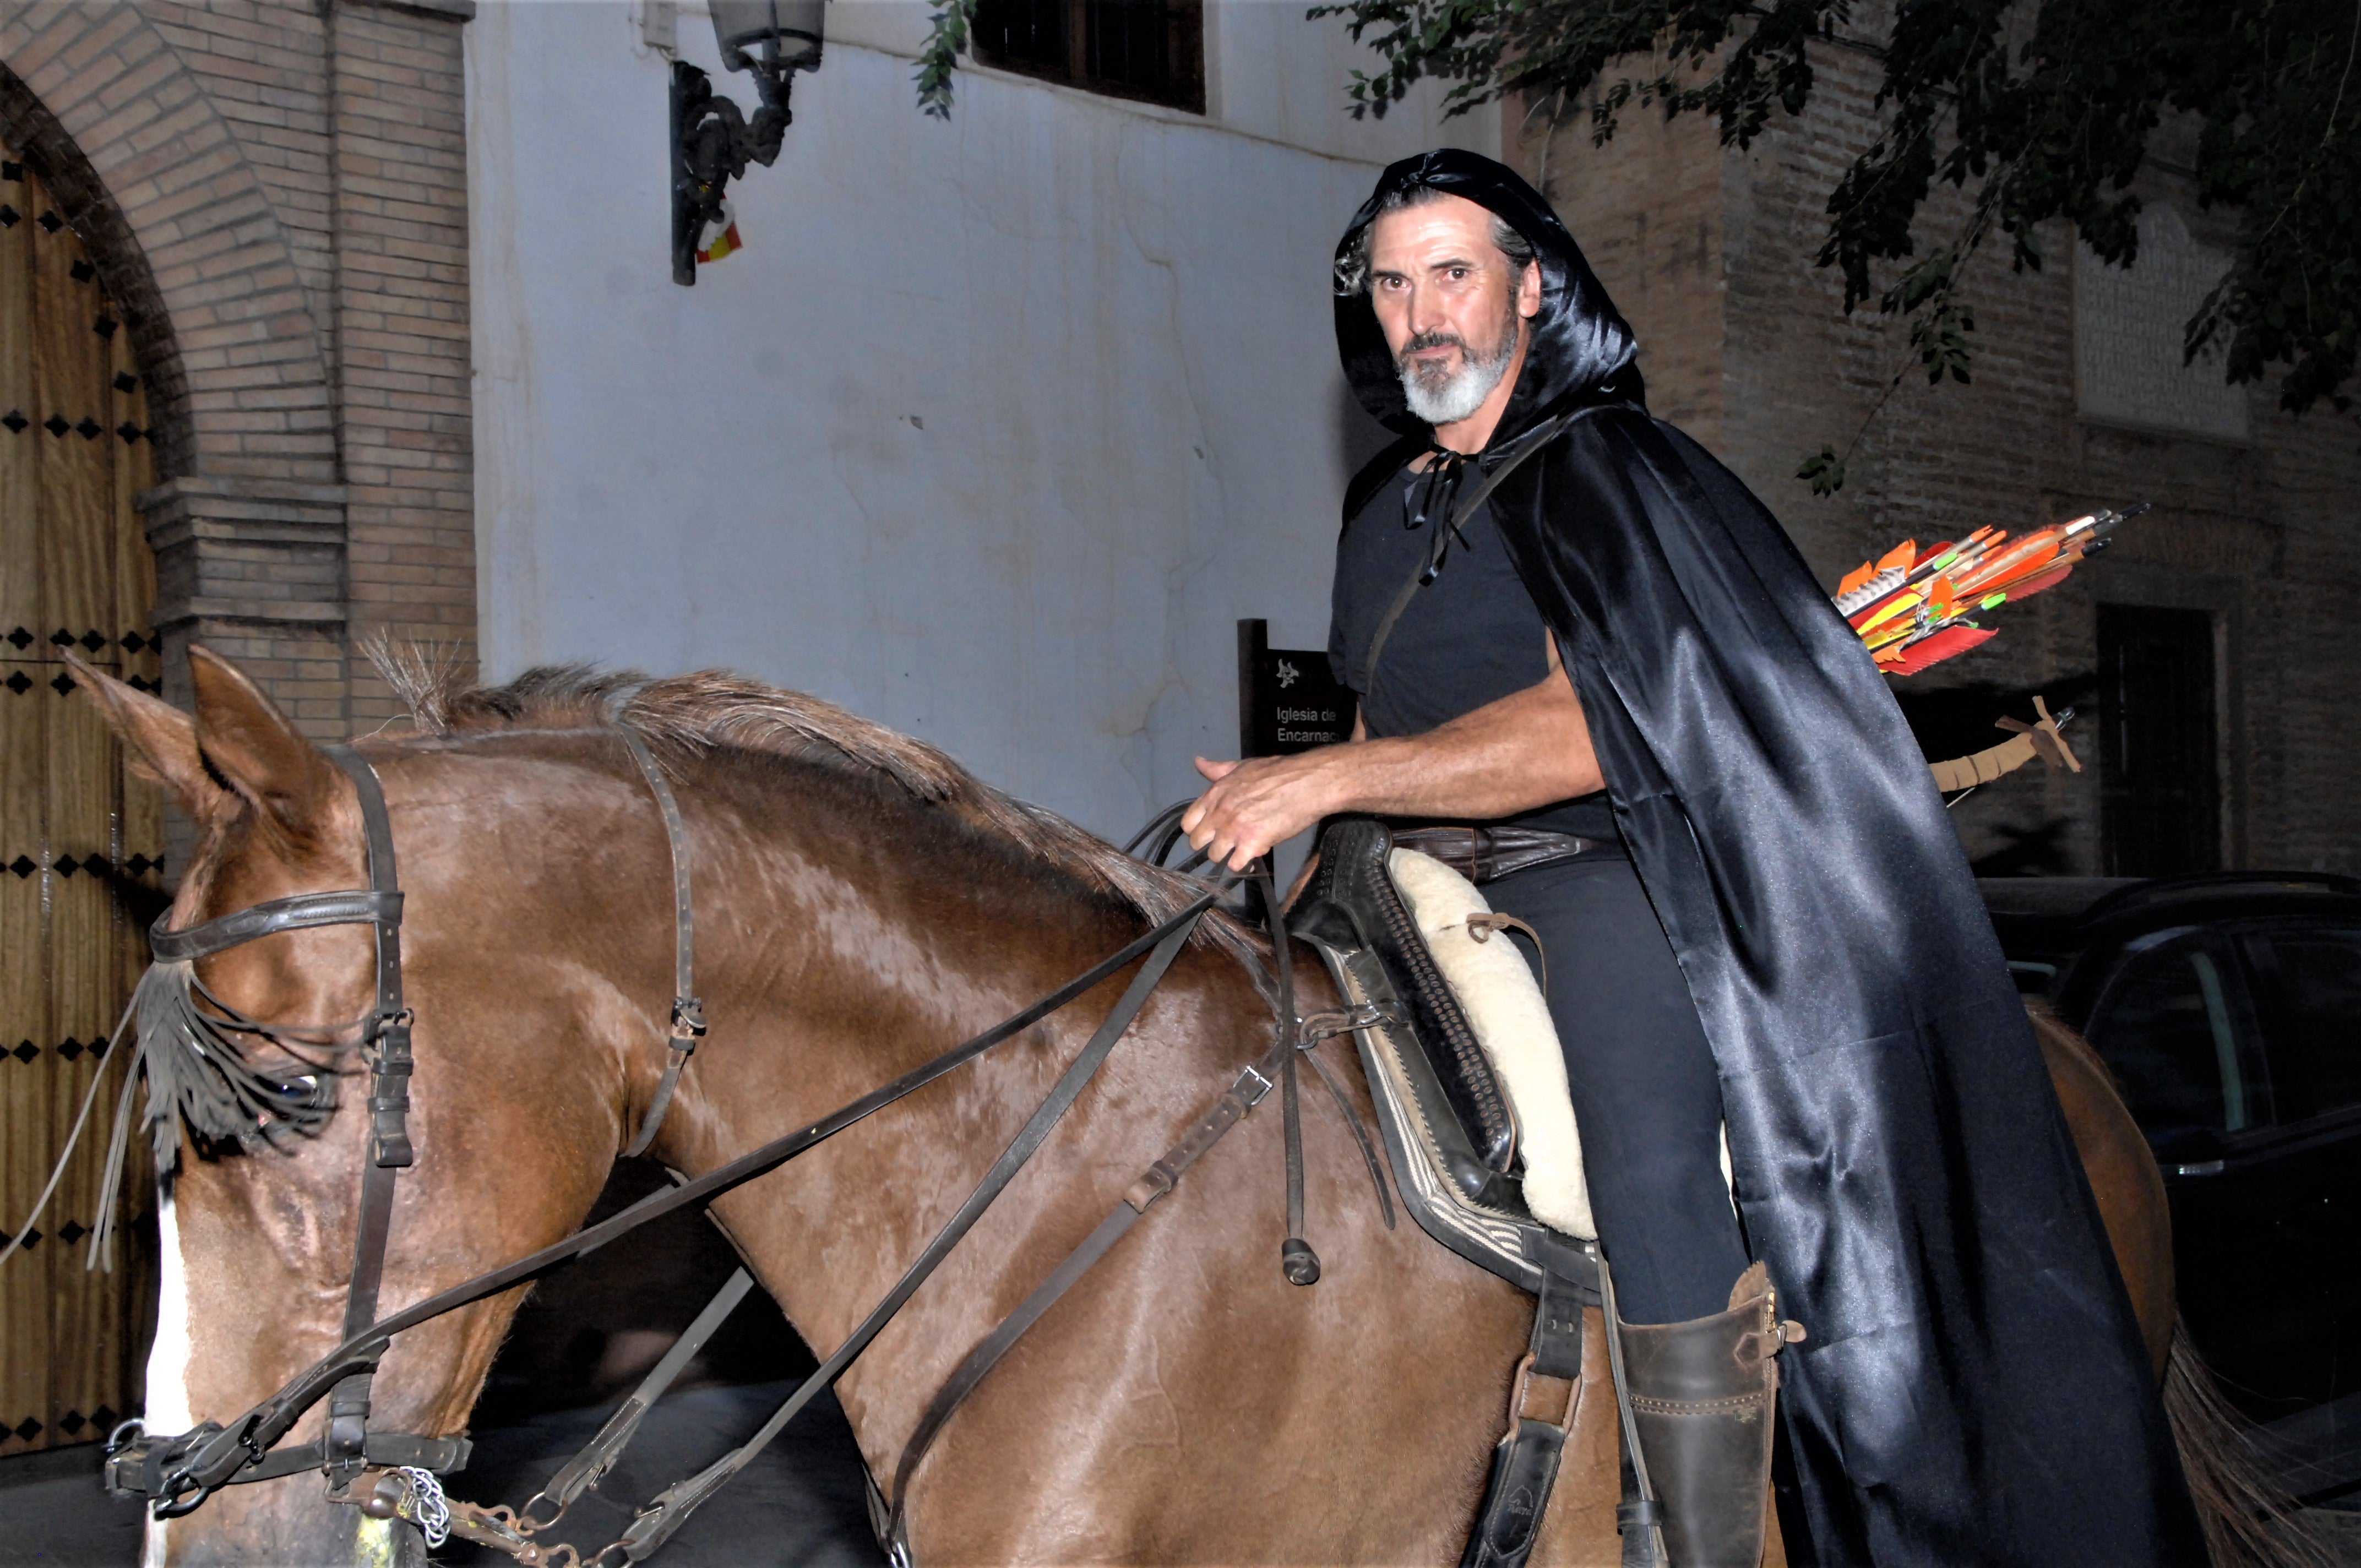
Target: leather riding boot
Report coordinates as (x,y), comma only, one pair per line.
(1702,1395)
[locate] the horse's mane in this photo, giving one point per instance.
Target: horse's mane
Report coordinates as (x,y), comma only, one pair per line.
(708,710)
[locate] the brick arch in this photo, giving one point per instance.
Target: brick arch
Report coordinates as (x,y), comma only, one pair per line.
(277,191)
(31,133)
(95,96)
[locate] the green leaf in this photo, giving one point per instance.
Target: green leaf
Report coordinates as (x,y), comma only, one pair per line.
(1824,471)
(938,57)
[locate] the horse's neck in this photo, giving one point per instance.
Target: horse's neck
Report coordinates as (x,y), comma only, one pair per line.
(843,986)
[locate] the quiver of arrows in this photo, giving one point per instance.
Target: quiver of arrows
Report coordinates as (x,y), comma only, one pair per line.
(1914,608)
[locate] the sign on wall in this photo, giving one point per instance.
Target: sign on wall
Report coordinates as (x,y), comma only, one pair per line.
(1288,701)
(2128,327)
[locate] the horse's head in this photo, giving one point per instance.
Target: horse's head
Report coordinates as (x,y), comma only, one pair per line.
(263,1175)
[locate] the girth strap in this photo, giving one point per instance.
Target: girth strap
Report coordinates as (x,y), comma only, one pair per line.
(687,1010)
(1542,1403)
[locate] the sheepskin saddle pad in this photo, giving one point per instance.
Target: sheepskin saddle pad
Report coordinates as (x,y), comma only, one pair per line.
(1460,1055)
(1494,987)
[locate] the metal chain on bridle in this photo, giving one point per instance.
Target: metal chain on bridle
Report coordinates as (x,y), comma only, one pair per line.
(200,1071)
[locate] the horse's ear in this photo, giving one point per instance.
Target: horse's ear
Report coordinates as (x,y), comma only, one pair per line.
(244,739)
(161,739)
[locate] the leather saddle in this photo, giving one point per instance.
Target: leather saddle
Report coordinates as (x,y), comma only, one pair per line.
(1449,1129)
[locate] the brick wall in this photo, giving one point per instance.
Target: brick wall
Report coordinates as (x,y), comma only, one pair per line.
(1744,342)
(277,191)
(1648,212)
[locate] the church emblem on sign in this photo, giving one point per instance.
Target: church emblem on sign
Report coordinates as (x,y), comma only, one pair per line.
(1288,698)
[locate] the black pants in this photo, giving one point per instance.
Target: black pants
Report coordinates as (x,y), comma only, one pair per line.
(1646,1096)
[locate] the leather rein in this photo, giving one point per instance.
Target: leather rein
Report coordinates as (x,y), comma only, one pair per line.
(178,1473)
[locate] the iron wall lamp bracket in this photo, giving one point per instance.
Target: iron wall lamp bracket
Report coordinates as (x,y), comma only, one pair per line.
(712,139)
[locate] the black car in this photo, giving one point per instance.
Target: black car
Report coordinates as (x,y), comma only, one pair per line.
(2229,1007)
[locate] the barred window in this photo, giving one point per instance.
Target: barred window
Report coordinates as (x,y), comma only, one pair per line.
(1153,51)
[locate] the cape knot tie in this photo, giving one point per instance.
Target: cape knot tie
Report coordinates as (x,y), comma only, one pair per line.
(1435,497)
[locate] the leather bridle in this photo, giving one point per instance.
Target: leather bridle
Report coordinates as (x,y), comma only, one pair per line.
(385,1041)
(176,1473)
(688,1008)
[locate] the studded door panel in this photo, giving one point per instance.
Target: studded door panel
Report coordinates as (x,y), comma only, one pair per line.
(81,842)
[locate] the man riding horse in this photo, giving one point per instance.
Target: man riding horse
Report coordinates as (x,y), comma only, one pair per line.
(1575,632)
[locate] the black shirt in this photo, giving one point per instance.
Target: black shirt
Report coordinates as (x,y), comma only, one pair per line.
(1470,637)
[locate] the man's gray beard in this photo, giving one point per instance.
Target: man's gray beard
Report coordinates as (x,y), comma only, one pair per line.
(1463,392)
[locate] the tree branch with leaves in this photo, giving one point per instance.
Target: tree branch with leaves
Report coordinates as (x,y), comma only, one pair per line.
(950,26)
(2034,111)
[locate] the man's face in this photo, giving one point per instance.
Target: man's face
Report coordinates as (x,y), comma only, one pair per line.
(1452,310)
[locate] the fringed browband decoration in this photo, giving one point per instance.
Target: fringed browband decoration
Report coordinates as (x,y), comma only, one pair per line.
(194,1060)
(197,1067)
(193,1047)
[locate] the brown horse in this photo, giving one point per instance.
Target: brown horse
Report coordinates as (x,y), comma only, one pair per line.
(862,904)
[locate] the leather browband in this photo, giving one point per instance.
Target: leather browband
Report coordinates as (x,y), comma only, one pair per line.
(349,906)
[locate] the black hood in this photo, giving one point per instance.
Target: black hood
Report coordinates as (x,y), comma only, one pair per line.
(1581,351)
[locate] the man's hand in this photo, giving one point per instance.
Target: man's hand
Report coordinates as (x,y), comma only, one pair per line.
(1531,748)
(1259,803)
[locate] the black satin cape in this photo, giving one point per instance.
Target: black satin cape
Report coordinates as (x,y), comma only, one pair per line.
(1974,1389)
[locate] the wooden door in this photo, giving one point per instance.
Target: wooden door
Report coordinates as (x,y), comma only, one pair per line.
(82,844)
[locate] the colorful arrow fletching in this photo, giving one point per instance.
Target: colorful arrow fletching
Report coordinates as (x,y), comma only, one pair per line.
(1910,605)
(1934,649)
(1886,609)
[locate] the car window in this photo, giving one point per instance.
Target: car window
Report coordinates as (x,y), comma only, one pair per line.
(2171,1025)
(2312,981)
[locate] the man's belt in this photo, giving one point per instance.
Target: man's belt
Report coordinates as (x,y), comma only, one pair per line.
(1486,854)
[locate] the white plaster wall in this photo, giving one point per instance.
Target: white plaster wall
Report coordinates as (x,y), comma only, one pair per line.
(993,431)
